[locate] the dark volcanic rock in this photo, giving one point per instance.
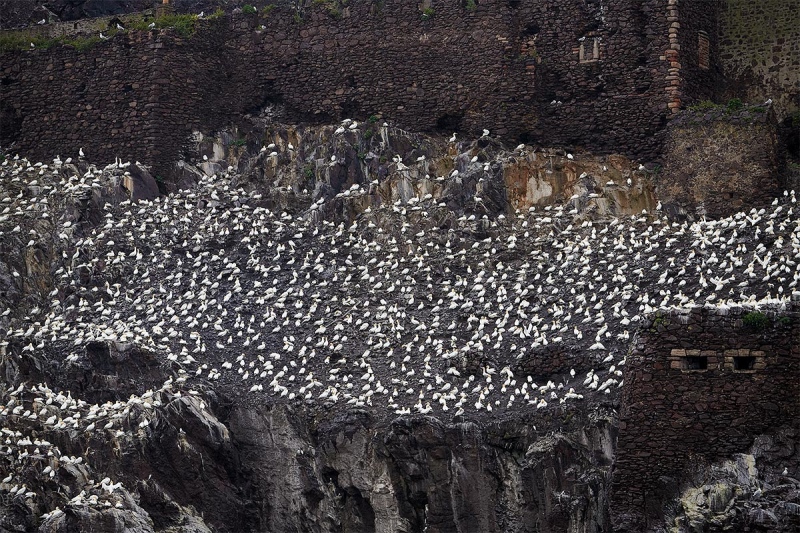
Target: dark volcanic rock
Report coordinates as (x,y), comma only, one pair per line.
(350,332)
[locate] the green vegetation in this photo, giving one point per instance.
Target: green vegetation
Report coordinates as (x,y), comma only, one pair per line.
(218,14)
(471,5)
(308,171)
(266,10)
(247,9)
(368,135)
(755,321)
(22,40)
(658,321)
(734,104)
(184,24)
(705,105)
(82,43)
(785,321)
(373,119)
(428,13)
(331,6)
(239,142)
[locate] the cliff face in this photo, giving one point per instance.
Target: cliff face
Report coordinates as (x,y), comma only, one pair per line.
(306,335)
(228,467)
(417,474)
(749,490)
(199,458)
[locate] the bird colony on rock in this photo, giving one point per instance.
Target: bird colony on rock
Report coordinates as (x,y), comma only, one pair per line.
(391,312)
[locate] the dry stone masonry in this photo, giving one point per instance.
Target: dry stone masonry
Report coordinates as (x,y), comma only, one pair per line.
(699,386)
(760,51)
(604,76)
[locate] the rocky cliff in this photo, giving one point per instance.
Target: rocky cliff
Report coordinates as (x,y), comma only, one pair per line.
(346,328)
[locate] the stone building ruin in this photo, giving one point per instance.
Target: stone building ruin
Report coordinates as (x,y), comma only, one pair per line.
(604,76)
(701,385)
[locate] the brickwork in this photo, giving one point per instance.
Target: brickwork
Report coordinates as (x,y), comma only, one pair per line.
(674,415)
(703,51)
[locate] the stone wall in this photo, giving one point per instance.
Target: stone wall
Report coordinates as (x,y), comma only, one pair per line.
(698,20)
(580,74)
(673,418)
(59,100)
(760,51)
(718,160)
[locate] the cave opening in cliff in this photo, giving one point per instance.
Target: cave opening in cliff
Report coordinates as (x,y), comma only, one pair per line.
(791,128)
(449,122)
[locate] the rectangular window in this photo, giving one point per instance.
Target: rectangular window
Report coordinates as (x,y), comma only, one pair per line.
(699,362)
(692,360)
(589,49)
(703,50)
(744,363)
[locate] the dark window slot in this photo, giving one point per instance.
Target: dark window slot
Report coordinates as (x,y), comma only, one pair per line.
(697,363)
(744,363)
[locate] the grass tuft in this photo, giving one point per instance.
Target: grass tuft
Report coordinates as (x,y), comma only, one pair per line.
(755,321)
